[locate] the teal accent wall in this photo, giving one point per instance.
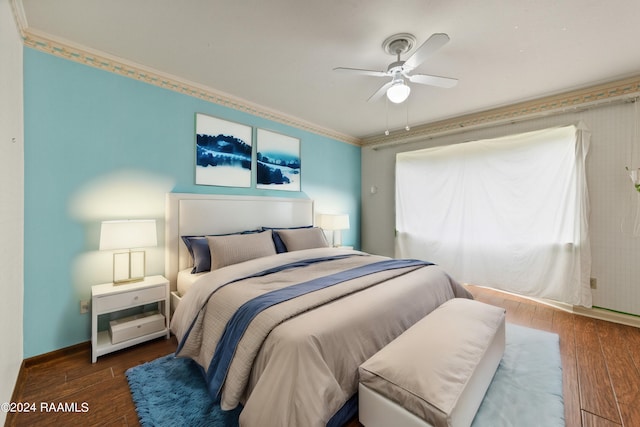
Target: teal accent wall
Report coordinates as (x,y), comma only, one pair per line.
(99,146)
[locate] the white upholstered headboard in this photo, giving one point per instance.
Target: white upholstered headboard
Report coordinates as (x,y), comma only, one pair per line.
(201,214)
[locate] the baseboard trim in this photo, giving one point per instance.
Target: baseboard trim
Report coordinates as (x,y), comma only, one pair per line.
(608,315)
(66,351)
(595,312)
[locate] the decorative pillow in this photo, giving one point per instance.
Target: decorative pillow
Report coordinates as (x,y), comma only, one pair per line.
(280,247)
(198,247)
(303,238)
(235,248)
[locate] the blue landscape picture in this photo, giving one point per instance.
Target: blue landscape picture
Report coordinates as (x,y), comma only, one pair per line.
(223,152)
(278,161)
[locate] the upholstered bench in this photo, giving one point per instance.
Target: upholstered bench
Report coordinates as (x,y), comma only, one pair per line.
(437,372)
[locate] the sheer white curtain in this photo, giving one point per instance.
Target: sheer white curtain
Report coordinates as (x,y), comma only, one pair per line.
(510,213)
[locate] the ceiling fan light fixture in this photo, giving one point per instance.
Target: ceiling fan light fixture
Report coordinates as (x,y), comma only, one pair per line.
(398,92)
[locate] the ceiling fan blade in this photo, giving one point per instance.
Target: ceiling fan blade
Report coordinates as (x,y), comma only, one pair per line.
(362,72)
(425,79)
(380,92)
(433,43)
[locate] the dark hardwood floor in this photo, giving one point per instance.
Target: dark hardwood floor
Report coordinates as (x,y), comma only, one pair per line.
(73,378)
(601,372)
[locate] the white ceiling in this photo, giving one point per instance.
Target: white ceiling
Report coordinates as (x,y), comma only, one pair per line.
(280,53)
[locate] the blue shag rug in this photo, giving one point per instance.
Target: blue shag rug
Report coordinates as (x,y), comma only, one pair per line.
(171,392)
(526,390)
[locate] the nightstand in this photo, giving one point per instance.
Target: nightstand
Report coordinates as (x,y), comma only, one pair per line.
(109,298)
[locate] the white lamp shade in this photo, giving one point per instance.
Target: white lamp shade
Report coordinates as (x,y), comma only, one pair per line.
(334,221)
(127,234)
(399,92)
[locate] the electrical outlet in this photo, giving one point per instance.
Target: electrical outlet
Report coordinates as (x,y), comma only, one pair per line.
(84,306)
(594,283)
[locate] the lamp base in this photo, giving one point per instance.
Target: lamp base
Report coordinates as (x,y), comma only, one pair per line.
(127,281)
(337,238)
(128,267)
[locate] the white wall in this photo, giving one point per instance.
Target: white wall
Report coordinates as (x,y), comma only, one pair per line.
(11,203)
(615,250)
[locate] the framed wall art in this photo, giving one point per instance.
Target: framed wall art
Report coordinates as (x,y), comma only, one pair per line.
(278,161)
(223,152)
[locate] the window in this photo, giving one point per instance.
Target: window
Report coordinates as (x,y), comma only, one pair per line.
(510,213)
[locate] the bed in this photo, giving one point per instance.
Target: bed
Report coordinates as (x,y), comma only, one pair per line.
(283,333)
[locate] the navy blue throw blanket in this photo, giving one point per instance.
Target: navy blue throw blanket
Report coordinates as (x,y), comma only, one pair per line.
(239,322)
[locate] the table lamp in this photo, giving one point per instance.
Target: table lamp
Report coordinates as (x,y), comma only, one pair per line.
(336,223)
(128,266)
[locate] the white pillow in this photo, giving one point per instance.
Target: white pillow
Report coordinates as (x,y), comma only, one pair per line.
(297,239)
(235,248)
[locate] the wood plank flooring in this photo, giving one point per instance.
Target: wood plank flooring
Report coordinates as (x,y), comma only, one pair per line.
(74,379)
(601,372)
(600,360)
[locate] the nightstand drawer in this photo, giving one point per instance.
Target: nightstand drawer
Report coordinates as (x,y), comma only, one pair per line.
(113,302)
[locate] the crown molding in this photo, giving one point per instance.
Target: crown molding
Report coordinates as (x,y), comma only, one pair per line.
(18,14)
(605,93)
(614,91)
(68,50)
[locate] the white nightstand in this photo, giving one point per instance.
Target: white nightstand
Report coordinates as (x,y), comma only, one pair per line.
(107,298)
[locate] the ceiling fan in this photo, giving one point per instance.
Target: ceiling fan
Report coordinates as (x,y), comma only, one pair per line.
(397,89)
